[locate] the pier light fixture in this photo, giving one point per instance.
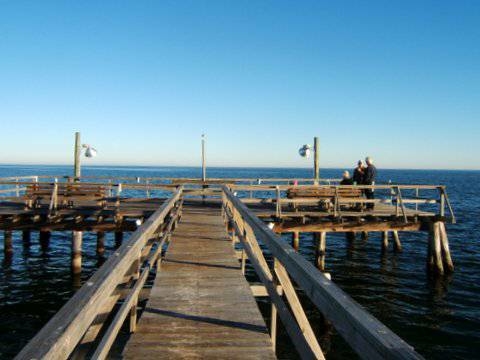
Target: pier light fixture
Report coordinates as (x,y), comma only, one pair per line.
(305,152)
(90,152)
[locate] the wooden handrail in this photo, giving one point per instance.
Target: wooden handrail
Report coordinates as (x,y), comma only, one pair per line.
(245,235)
(59,337)
(130,303)
(366,335)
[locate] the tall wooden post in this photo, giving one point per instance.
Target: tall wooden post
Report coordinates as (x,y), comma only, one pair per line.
(118,238)
(384,240)
(439,259)
(351,236)
(44,239)
(296,240)
(26,235)
(100,243)
(316,166)
(364,236)
(447,259)
(77,152)
(437,249)
(7,243)
(321,245)
(76,252)
(204,169)
(397,244)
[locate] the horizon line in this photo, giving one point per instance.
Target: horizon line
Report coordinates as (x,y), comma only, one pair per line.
(231,167)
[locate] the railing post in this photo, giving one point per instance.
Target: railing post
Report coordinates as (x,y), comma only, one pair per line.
(416,196)
(442,202)
(279,205)
(17,188)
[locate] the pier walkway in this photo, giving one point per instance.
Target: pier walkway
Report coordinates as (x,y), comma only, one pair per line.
(200,305)
(196,244)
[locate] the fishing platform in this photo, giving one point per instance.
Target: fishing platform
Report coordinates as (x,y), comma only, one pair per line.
(192,241)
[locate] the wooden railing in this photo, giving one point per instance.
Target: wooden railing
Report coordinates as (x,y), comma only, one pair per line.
(368,337)
(125,271)
(389,194)
(16,184)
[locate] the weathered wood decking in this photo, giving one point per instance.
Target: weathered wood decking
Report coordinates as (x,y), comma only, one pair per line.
(200,305)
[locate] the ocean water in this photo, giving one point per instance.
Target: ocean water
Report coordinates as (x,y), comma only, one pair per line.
(439,317)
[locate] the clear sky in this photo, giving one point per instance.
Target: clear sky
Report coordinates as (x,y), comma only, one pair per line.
(142,80)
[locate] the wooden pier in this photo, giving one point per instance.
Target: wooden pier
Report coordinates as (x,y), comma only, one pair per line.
(201,305)
(195,238)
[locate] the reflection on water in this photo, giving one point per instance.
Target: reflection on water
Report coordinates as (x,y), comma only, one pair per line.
(439,317)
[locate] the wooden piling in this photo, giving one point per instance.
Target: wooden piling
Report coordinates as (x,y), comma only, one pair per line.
(384,240)
(397,245)
(430,259)
(8,243)
(447,259)
(77,252)
(350,236)
(321,244)
(364,236)
(100,243)
(437,249)
(118,238)
(44,238)
(296,240)
(26,238)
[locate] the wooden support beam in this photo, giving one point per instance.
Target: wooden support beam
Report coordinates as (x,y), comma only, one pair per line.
(437,249)
(297,309)
(320,248)
(385,241)
(8,243)
(365,236)
(100,243)
(26,238)
(447,259)
(347,226)
(44,238)
(296,240)
(397,245)
(261,290)
(118,238)
(350,236)
(77,252)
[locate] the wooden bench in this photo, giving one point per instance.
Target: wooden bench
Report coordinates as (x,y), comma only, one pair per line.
(325,195)
(67,194)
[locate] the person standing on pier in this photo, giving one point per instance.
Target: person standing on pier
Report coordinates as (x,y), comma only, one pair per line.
(369,179)
(358,173)
(346,180)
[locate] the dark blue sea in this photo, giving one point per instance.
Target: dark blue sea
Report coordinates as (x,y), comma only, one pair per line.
(439,317)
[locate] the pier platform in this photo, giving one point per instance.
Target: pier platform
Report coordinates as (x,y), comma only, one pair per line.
(200,306)
(195,242)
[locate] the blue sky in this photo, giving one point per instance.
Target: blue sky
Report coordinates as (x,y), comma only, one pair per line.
(142,80)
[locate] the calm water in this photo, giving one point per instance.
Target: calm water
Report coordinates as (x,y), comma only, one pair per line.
(440,318)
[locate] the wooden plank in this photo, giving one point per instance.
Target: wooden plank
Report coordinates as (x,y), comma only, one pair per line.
(200,306)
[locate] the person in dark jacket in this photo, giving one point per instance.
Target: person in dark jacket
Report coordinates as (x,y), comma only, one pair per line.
(358,173)
(346,180)
(369,179)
